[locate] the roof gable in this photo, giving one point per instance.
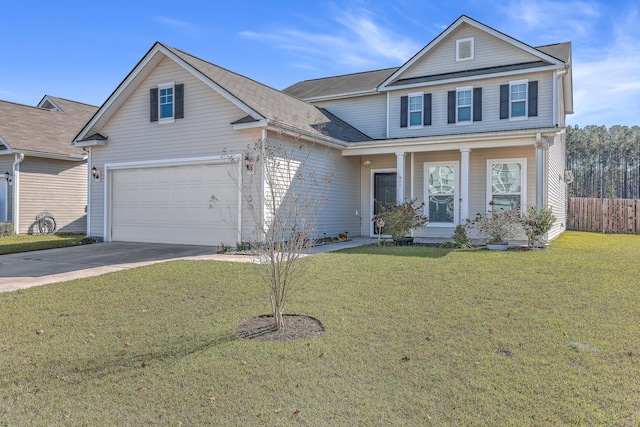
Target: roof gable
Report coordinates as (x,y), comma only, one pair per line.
(262,104)
(492,52)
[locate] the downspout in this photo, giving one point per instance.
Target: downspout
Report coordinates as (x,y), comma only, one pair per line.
(16,191)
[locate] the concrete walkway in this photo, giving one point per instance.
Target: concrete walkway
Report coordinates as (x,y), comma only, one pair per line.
(23,270)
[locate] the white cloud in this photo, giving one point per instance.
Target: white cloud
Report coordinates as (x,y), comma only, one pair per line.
(356,42)
(181,26)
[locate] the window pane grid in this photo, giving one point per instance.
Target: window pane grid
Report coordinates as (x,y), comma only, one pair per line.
(415,110)
(166,102)
(518,100)
(464,105)
(506,186)
(441,188)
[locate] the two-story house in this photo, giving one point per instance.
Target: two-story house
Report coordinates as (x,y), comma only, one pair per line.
(475,119)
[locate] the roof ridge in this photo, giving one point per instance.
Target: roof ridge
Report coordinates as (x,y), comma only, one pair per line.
(348,74)
(71,100)
(35,107)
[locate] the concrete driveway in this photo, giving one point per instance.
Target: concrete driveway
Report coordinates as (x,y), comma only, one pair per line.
(23,270)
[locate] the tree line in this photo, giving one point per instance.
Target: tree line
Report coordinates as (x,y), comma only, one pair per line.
(605,162)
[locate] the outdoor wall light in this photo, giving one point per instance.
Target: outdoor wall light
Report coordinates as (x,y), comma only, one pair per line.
(250,162)
(95,173)
(7,176)
(367,163)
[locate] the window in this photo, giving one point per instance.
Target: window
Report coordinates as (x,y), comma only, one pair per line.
(464,49)
(506,184)
(518,99)
(415,109)
(441,193)
(463,105)
(167,103)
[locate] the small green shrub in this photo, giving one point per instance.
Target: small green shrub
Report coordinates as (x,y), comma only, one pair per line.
(6,229)
(537,223)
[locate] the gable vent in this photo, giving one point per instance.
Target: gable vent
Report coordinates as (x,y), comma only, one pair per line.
(464,49)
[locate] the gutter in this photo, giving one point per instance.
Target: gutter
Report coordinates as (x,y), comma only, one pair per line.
(15,216)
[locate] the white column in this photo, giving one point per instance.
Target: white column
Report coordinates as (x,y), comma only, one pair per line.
(464,184)
(400,177)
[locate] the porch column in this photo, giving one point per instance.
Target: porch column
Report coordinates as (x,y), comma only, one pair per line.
(400,175)
(464,185)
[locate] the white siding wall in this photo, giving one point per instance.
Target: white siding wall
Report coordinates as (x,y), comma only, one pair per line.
(204,131)
(490,109)
(366,113)
(557,188)
(57,186)
(489,52)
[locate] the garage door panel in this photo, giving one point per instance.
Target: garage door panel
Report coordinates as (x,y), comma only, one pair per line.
(150,206)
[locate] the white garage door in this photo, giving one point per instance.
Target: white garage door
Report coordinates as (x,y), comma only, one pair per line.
(194,204)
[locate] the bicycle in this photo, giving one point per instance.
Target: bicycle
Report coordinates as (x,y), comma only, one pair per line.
(46,223)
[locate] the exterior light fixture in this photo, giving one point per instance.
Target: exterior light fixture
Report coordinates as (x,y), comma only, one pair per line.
(367,163)
(95,173)
(7,176)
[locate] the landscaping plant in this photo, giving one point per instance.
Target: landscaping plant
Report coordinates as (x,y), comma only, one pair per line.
(399,220)
(537,223)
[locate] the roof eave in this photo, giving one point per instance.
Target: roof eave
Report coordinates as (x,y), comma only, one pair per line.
(450,142)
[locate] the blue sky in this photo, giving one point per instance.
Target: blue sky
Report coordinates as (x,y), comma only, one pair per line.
(82,50)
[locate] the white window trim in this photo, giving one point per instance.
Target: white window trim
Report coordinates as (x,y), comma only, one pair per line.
(523,177)
(459,42)
(470,121)
(171,119)
(456,192)
(409,96)
(526,100)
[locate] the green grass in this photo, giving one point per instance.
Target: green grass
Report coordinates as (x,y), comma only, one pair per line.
(27,243)
(414,336)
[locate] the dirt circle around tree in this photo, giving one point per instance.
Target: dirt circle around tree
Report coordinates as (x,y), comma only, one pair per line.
(296,326)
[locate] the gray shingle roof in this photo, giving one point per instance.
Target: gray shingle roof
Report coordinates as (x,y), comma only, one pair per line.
(273,104)
(349,83)
(561,51)
(26,128)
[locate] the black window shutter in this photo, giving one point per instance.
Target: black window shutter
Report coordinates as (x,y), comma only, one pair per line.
(179,112)
(477,104)
(404,111)
(504,101)
(153,109)
(426,119)
(533,98)
(451,106)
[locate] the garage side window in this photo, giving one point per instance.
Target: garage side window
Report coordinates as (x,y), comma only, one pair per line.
(167,103)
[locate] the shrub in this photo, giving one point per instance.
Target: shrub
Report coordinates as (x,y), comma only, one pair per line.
(537,223)
(399,220)
(498,226)
(6,229)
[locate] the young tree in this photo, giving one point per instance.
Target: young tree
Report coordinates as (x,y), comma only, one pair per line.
(284,192)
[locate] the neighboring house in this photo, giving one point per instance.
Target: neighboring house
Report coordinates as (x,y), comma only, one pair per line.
(39,169)
(476,117)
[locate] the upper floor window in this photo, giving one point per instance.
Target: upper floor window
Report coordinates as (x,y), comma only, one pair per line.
(518,99)
(167,103)
(415,109)
(165,92)
(463,105)
(464,49)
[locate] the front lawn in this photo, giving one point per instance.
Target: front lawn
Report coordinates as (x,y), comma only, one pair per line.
(27,243)
(414,336)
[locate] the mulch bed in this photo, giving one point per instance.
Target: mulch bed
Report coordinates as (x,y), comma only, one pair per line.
(262,328)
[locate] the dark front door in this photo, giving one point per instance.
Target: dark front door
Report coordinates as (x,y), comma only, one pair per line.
(384,193)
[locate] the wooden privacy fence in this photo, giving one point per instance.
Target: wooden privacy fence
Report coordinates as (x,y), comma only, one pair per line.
(618,216)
